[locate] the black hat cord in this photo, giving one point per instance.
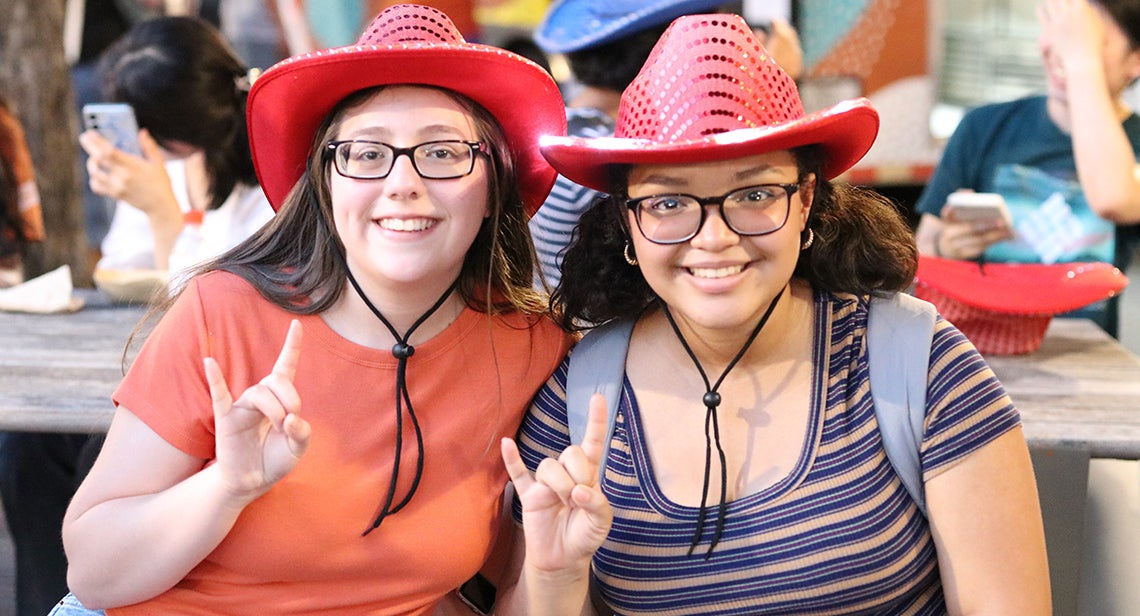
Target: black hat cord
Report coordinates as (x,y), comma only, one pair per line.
(402,351)
(712,400)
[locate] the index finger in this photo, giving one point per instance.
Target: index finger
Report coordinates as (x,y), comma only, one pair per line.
(286,365)
(597,427)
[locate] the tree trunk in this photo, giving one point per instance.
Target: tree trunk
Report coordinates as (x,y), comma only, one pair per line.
(34,77)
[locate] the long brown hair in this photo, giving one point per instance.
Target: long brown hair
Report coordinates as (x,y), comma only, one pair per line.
(296,260)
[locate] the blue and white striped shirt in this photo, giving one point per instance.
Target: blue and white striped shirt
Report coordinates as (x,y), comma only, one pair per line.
(839,534)
(552,226)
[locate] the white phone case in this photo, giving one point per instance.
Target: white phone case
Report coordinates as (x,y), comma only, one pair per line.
(116,122)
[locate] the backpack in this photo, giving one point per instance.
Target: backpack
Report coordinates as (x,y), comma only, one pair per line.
(900,329)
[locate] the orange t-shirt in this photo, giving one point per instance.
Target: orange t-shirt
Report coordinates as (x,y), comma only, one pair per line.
(299,548)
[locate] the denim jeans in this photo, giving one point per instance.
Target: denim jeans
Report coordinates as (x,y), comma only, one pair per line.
(70,606)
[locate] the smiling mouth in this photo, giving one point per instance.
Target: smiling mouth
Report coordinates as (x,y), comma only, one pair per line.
(719,272)
(406,224)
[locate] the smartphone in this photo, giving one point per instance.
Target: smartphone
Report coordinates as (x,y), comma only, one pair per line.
(965,206)
(478,593)
(116,122)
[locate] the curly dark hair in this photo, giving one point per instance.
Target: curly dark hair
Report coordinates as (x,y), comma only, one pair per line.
(863,245)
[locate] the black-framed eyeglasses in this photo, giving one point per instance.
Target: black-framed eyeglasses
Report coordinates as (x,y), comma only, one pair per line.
(676,218)
(434,160)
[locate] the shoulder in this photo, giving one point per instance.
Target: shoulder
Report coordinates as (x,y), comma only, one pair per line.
(537,331)
(224,296)
(987,117)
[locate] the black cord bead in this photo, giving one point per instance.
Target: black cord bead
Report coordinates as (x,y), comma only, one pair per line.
(403,351)
(712,399)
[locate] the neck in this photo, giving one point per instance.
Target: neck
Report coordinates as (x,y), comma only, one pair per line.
(351,317)
(716,347)
(597,98)
(1061,114)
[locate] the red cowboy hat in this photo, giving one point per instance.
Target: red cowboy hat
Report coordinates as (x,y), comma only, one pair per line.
(1004,308)
(405,44)
(710,91)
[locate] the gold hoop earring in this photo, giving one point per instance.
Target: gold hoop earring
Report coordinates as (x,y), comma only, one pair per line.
(809,240)
(632,260)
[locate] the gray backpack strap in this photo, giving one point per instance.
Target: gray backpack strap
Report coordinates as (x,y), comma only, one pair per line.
(597,365)
(900,329)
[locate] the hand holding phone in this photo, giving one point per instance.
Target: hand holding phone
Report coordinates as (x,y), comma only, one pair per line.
(982,209)
(116,123)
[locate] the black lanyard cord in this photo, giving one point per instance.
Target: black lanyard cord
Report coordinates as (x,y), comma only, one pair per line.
(402,350)
(711,401)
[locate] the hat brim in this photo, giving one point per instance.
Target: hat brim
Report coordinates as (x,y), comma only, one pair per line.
(1021,288)
(573,25)
(845,131)
(290,100)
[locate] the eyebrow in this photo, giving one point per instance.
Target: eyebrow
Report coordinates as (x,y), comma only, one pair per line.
(426,133)
(675,181)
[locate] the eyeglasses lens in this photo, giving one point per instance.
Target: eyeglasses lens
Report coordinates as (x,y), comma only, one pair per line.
(756,210)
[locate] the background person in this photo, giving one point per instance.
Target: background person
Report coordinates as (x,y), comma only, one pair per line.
(188,91)
(1065,162)
(21,218)
(746,472)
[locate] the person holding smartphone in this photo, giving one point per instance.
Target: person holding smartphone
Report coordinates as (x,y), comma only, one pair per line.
(1064,163)
(188,91)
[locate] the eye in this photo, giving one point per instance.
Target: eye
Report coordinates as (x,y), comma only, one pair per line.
(757,194)
(442,151)
(367,152)
(665,204)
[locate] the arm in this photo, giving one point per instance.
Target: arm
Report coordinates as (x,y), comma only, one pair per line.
(1106,163)
(986,521)
(565,520)
(141,182)
(148,513)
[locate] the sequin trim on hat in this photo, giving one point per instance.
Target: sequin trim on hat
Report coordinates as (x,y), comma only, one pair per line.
(411,23)
(707,75)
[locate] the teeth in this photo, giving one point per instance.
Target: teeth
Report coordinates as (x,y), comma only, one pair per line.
(719,272)
(406,224)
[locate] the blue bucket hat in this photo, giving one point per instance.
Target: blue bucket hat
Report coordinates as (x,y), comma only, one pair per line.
(570,25)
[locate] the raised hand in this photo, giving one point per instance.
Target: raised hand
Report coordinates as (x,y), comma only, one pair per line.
(565,515)
(261,436)
(1072,34)
(141,182)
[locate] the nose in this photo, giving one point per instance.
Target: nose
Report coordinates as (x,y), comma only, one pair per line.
(403,180)
(714,234)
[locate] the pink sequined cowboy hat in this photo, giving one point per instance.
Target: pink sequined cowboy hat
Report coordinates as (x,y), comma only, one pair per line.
(405,44)
(710,91)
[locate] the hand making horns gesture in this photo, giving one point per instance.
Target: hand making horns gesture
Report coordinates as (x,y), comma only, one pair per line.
(565,515)
(260,436)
